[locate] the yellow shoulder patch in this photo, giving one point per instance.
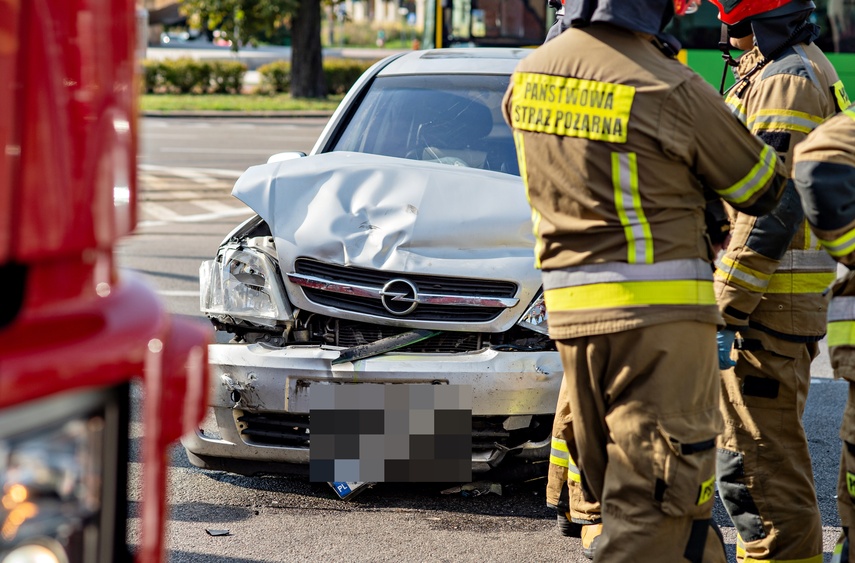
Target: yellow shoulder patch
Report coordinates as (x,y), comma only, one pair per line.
(571,107)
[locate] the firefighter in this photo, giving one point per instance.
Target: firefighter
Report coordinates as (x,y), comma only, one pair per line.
(769,285)
(620,145)
(559,26)
(824,173)
(576,516)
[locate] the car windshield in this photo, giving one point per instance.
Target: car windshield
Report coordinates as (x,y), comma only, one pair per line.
(450,119)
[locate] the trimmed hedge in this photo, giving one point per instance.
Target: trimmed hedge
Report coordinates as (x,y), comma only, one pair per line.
(189,76)
(340,75)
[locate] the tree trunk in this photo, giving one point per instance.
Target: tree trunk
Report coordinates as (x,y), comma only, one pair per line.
(307,74)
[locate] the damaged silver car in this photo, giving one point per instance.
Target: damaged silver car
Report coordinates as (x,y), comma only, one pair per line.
(400,251)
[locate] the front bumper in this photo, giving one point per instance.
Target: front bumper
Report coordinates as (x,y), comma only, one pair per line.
(259,399)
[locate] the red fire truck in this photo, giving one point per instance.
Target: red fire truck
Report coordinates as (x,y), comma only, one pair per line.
(76,334)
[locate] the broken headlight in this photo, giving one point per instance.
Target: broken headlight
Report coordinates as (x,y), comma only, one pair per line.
(243,283)
(535,317)
(63,479)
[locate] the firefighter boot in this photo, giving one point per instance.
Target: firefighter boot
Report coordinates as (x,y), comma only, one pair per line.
(590,538)
(568,528)
(841,550)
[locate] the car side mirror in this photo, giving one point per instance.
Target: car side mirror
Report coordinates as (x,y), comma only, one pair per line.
(289,155)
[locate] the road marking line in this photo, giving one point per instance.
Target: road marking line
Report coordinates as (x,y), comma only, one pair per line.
(176,170)
(196,218)
(214,206)
(160,212)
(177,293)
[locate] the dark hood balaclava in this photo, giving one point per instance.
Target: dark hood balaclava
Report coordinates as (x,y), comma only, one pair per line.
(646,16)
(781,27)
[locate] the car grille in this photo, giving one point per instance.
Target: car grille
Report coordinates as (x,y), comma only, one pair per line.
(350,334)
(287,430)
(425,283)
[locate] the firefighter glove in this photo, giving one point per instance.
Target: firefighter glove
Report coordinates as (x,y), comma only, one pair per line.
(725,338)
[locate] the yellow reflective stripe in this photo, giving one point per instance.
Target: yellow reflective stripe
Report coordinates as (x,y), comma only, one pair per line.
(573,473)
(729,270)
(626,294)
(628,205)
(814,559)
(535,215)
(841,333)
(558,460)
(850,483)
(707,490)
(840,94)
(755,180)
(800,282)
(788,120)
(841,246)
(736,107)
(571,107)
(559,454)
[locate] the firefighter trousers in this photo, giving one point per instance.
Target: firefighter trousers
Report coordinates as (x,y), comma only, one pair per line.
(647,403)
(563,487)
(846,479)
(763,466)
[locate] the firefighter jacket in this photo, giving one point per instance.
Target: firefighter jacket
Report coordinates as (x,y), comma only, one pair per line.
(773,274)
(824,173)
(617,144)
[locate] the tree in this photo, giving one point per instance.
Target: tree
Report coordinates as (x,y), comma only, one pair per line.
(306,56)
(249,21)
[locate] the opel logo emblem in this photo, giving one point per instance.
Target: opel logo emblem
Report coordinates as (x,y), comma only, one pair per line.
(399,297)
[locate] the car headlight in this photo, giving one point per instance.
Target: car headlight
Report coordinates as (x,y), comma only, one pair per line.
(63,478)
(243,283)
(535,317)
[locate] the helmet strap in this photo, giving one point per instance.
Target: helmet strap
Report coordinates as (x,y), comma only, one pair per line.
(729,61)
(744,81)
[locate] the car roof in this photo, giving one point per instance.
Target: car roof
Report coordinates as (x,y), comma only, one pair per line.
(473,60)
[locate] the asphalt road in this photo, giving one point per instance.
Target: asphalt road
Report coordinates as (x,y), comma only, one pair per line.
(187,169)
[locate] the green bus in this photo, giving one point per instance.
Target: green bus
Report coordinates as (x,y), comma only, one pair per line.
(524,23)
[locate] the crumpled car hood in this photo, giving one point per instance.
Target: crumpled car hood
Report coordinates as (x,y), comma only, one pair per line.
(396,215)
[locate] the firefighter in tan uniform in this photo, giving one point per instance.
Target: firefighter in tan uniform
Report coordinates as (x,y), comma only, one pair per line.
(620,146)
(769,285)
(824,172)
(576,516)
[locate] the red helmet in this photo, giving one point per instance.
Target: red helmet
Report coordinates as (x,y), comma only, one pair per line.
(731,12)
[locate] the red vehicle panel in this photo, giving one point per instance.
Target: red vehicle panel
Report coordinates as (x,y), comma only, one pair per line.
(69,320)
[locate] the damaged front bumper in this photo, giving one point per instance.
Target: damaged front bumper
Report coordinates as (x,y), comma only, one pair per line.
(259,399)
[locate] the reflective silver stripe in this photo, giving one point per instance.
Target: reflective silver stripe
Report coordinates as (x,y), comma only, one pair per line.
(806,260)
(617,272)
(733,271)
(628,205)
(783,119)
(736,107)
(421,298)
(841,309)
(759,175)
(800,51)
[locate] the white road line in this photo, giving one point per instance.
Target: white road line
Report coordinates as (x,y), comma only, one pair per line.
(196,218)
(188,170)
(204,150)
(178,293)
(160,212)
(214,206)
